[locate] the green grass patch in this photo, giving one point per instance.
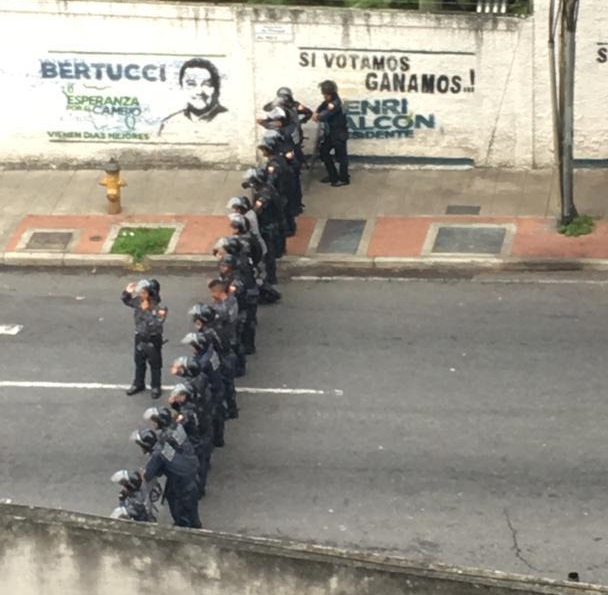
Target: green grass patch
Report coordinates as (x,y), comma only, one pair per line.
(579,226)
(141,241)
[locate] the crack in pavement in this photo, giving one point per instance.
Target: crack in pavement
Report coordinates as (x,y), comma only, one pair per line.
(518,551)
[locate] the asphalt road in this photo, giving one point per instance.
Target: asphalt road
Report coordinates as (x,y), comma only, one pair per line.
(461,422)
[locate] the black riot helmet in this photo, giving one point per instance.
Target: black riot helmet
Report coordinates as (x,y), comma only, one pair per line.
(239,223)
(145,439)
(160,416)
(198,340)
(183,388)
(285,94)
(328,87)
(234,246)
(229,245)
(185,367)
(154,289)
(277,114)
(203,312)
(254,177)
(240,203)
(273,138)
(130,480)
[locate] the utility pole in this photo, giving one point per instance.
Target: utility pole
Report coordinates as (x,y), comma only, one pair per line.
(564,16)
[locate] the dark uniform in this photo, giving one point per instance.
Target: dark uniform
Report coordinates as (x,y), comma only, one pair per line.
(220,336)
(210,366)
(228,321)
(331,115)
(148,340)
(269,221)
(195,415)
(181,488)
(281,177)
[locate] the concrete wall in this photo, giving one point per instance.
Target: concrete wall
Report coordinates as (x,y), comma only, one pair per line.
(52,552)
(86,80)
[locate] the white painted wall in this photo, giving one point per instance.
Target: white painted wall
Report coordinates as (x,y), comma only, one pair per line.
(490,103)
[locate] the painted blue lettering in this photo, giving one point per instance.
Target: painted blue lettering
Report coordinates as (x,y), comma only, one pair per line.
(48,69)
(132,72)
(66,69)
(426,122)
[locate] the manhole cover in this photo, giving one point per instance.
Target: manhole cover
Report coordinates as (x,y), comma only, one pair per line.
(341,236)
(463,210)
(469,239)
(50,240)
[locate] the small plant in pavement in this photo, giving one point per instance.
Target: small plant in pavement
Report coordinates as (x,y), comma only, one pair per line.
(579,226)
(141,241)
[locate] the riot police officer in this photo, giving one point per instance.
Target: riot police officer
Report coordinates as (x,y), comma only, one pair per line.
(131,499)
(167,429)
(227,308)
(263,191)
(181,471)
(196,421)
(281,176)
(297,112)
(247,294)
(149,315)
(206,320)
(209,363)
(251,244)
(242,206)
(331,115)
(280,134)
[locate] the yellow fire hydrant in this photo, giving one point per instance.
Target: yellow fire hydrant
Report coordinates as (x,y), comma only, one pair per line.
(113,183)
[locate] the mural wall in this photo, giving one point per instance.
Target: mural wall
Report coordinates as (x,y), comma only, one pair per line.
(168,84)
(133,98)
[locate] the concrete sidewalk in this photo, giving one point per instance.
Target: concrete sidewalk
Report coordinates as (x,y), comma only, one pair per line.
(385,217)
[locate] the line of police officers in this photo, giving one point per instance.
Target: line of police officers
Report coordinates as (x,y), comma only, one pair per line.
(183,433)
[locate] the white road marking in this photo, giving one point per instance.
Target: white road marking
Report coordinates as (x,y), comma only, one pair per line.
(517,281)
(347,278)
(10,329)
(101,386)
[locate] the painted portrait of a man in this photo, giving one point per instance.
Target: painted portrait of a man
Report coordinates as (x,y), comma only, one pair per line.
(199,80)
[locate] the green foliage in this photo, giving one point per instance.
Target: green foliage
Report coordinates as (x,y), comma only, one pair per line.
(579,226)
(140,241)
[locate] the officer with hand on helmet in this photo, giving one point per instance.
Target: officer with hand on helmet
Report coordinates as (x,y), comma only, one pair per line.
(149,315)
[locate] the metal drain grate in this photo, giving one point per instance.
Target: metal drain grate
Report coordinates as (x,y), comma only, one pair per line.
(473,239)
(463,210)
(50,241)
(341,236)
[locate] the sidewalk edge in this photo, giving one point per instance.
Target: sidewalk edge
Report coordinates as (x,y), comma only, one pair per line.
(336,262)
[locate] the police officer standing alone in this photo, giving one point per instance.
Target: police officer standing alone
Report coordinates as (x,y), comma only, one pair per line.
(149,316)
(331,115)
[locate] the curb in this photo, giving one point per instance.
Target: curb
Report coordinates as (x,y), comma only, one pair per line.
(336,264)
